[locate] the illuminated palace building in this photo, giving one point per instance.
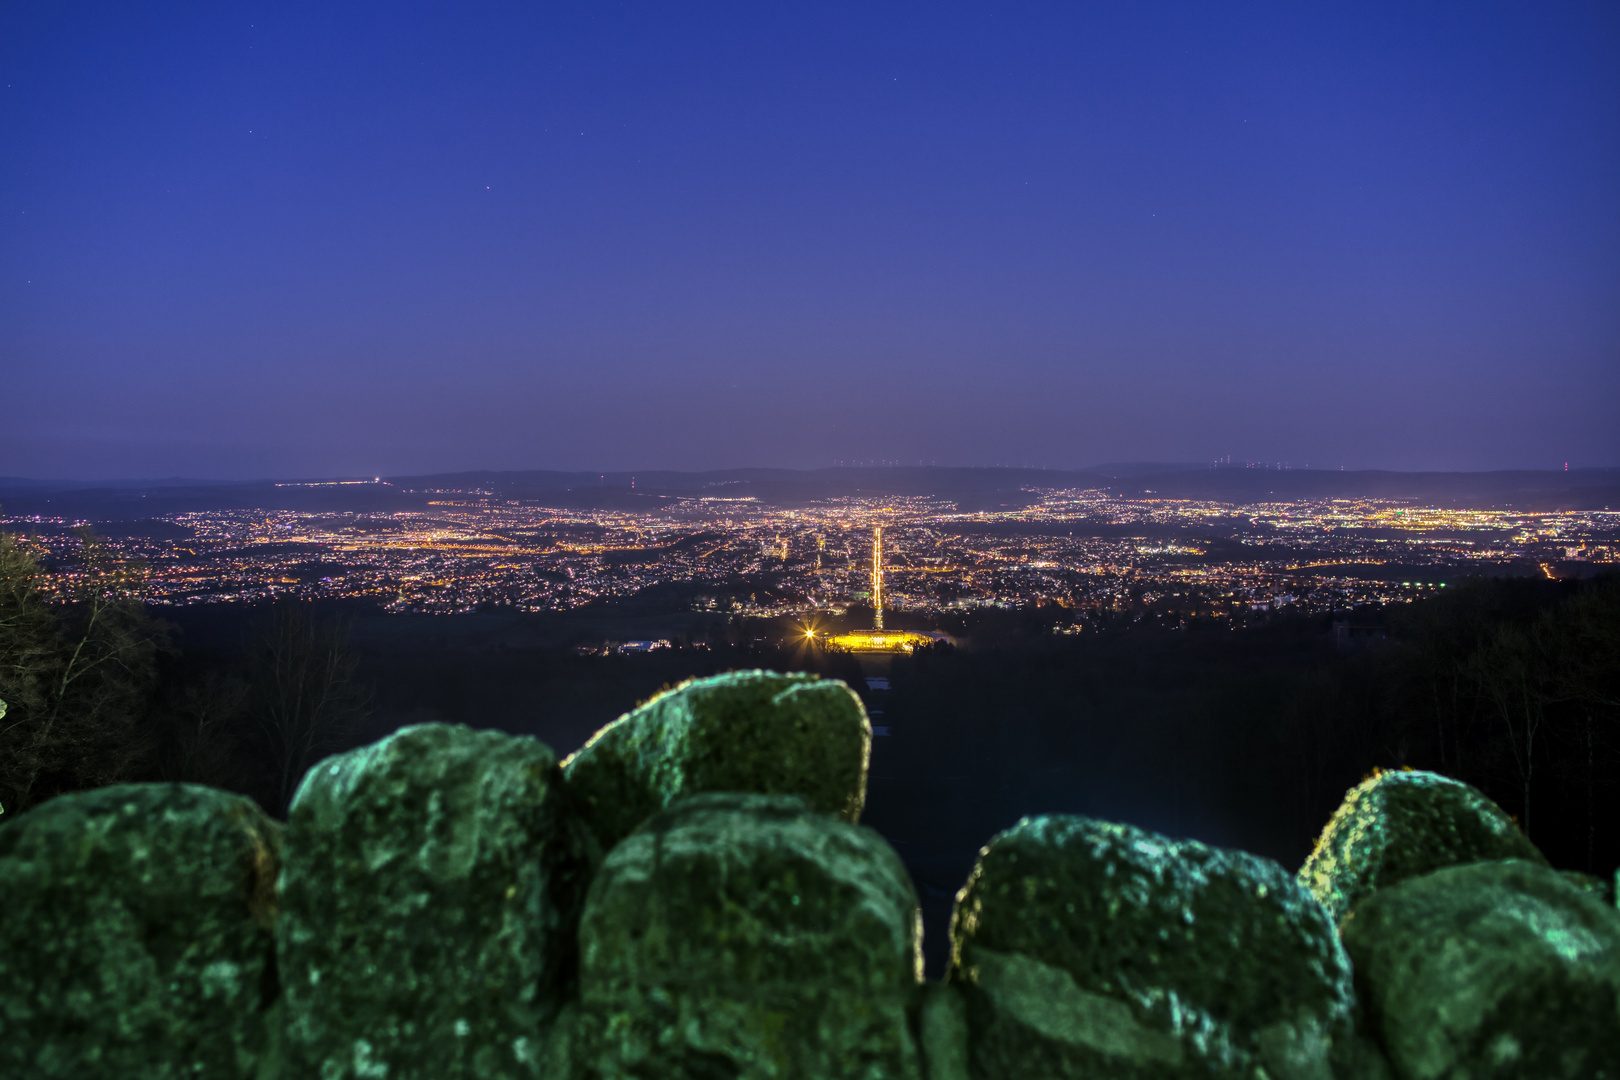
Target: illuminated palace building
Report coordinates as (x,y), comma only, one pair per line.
(877,639)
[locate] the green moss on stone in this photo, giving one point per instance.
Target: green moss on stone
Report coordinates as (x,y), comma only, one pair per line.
(749,936)
(1399,825)
(1094,949)
(752,731)
(136,935)
(1602,888)
(942,1031)
(429,900)
(1490,970)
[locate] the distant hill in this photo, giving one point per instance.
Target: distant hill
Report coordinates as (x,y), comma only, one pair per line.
(1578,489)
(1144,468)
(970,488)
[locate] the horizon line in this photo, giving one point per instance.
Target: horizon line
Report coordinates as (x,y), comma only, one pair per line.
(1167,468)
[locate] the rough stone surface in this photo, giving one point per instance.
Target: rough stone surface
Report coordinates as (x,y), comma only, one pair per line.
(428,904)
(942,1031)
(748,731)
(1090,949)
(1399,825)
(1490,970)
(749,936)
(1602,888)
(136,935)
(1362,1059)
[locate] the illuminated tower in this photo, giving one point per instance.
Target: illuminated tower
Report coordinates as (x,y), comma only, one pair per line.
(877,578)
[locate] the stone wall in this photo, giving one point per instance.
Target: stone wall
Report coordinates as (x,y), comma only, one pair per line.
(690,896)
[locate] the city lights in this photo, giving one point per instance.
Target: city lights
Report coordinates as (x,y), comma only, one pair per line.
(1086,551)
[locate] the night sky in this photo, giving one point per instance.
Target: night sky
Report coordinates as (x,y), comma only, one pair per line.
(246,240)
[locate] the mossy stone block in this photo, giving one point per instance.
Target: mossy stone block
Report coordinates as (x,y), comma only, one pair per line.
(136,935)
(748,936)
(429,901)
(1490,970)
(942,1031)
(1400,824)
(1089,949)
(1602,888)
(747,731)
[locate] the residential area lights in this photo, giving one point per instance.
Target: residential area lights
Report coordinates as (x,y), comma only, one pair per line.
(1084,550)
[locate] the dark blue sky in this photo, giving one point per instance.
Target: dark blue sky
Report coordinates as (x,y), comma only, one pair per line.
(277,239)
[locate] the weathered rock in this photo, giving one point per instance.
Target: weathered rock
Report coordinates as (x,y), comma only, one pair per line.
(1491,969)
(942,1031)
(1602,888)
(1399,825)
(1361,1059)
(748,731)
(136,935)
(429,900)
(748,936)
(1091,949)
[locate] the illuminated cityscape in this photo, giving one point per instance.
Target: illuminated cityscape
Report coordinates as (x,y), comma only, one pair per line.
(877,577)
(877,639)
(1090,553)
(1022,541)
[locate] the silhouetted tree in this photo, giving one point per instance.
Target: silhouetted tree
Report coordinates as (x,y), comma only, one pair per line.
(1508,671)
(198,730)
(304,697)
(76,676)
(1583,639)
(1514,686)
